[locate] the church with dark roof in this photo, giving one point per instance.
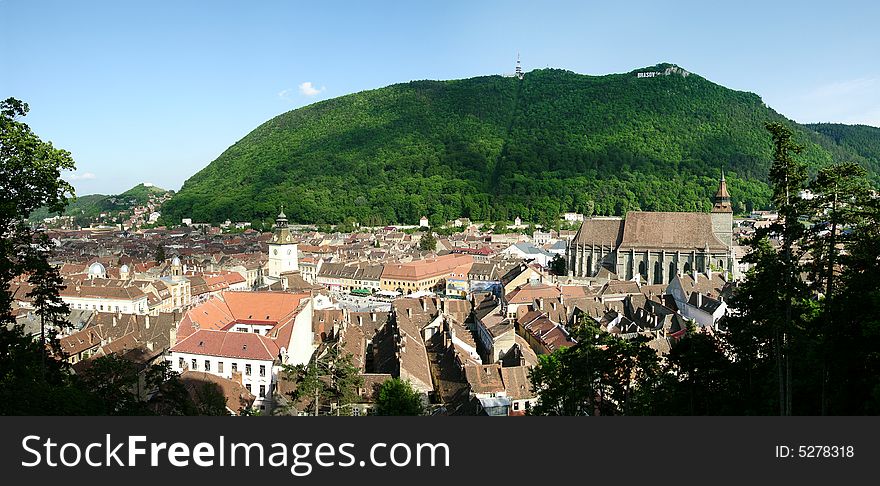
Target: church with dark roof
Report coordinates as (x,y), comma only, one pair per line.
(654,247)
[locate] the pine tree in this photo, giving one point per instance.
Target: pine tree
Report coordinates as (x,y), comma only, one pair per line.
(160,254)
(47,284)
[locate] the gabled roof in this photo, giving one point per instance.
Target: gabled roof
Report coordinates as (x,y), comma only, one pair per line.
(671,231)
(600,231)
(244,345)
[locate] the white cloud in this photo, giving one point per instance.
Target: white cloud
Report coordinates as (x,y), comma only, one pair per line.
(308,89)
(284,94)
(848,87)
(83,176)
(850,101)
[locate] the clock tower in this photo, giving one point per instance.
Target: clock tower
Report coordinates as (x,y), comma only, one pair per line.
(282,250)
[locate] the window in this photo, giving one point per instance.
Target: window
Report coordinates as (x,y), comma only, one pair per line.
(262,391)
(219,367)
(256,331)
(195,364)
(249,387)
(180,363)
(516,405)
(355,412)
(207,365)
(235,367)
(247,370)
(241,329)
(262,370)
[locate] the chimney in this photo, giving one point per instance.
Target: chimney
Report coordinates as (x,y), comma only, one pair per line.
(147,321)
(409,312)
(424,304)
(172,336)
(540,301)
(360,320)
(699,299)
(709,271)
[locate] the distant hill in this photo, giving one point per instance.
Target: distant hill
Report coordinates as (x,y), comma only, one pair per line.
(92,205)
(493,148)
(862,140)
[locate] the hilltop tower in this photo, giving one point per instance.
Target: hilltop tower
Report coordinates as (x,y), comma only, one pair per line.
(519,73)
(282,250)
(722,214)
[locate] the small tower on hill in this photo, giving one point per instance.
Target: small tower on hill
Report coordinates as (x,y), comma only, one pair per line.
(519,73)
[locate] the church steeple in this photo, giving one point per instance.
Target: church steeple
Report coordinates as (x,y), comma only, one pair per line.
(722,197)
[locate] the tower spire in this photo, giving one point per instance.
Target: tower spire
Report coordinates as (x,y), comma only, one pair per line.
(722,197)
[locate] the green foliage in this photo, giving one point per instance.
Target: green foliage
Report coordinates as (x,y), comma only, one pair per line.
(601,375)
(328,379)
(398,397)
(92,205)
(160,254)
(47,283)
(32,384)
(804,335)
(558,265)
(428,242)
(493,148)
(862,143)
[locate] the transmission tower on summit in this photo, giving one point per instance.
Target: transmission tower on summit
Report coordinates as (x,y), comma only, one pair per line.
(519,73)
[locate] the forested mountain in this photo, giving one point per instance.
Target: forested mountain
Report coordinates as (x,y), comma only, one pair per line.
(863,140)
(493,148)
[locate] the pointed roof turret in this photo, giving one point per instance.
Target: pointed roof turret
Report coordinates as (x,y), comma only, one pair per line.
(281,220)
(722,197)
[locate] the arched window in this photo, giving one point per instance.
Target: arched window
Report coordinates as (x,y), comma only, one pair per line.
(687,267)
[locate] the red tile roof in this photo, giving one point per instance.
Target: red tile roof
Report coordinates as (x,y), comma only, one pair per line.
(245,345)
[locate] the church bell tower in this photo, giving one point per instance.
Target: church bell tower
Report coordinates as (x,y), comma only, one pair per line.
(722,214)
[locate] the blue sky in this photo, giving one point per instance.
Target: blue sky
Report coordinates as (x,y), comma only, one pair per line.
(154,91)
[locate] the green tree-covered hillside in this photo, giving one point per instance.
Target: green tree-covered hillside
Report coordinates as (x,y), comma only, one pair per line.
(493,148)
(91,205)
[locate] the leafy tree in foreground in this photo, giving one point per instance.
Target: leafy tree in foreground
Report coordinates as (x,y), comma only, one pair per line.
(33,385)
(601,375)
(398,397)
(30,177)
(328,379)
(428,242)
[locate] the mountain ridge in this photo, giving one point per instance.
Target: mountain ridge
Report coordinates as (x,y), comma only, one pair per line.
(494,147)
